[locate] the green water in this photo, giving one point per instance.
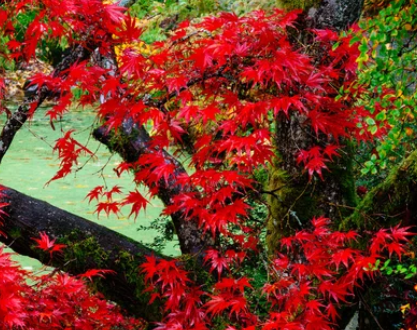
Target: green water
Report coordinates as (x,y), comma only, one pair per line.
(30,163)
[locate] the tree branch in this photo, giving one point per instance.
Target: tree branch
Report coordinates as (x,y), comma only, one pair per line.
(88,246)
(34,96)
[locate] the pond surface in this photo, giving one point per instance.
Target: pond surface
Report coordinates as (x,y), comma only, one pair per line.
(30,163)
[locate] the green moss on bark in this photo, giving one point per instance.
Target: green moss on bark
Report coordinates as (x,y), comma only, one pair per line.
(298,4)
(395,199)
(295,200)
(126,286)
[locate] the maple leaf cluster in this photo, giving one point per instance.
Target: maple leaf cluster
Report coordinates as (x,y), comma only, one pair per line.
(313,275)
(216,90)
(53,301)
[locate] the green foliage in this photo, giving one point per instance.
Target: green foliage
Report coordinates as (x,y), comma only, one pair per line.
(387,68)
(162,16)
(390,201)
(391,267)
(299,4)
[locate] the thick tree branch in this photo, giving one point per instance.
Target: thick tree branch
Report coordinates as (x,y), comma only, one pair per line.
(391,201)
(89,246)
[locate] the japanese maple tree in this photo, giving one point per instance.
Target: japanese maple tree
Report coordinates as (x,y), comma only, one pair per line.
(213,92)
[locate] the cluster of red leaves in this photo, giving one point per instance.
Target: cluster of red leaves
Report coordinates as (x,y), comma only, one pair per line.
(316,272)
(223,81)
(320,269)
(167,280)
(81,21)
(68,150)
(53,301)
(46,244)
(109,205)
(89,24)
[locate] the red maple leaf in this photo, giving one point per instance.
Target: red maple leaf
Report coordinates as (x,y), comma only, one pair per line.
(137,200)
(44,243)
(96,272)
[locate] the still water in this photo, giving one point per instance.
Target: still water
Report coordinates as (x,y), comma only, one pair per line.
(31,162)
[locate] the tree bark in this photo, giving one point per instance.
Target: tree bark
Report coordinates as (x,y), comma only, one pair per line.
(296,199)
(336,14)
(88,246)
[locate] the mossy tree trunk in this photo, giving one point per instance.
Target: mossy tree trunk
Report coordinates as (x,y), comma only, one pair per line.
(391,202)
(295,199)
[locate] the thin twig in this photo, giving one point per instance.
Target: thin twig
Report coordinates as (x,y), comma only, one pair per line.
(369,310)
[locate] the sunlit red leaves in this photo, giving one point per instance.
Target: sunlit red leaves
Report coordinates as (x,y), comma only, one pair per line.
(228,88)
(216,261)
(392,239)
(68,151)
(46,244)
(89,274)
(321,270)
(138,202)
(57,302)
(182,298)
(230,296)
(315,159)
(105,200)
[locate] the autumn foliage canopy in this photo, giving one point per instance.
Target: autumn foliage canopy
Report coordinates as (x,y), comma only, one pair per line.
(211,95)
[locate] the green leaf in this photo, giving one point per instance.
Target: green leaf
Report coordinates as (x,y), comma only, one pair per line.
(370,121)
(386,263)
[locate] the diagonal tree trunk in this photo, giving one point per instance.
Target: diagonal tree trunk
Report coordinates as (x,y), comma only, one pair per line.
(88,246)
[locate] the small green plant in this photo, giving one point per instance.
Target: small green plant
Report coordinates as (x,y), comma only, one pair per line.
(165,232)
(391,268)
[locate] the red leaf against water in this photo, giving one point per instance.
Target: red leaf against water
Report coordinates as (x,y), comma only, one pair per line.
(137,200)
(95,193)
(108,207)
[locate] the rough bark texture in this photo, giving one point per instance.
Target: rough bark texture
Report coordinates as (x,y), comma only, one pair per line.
(89,246)
(296,199)
(337,14)
(132,143)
